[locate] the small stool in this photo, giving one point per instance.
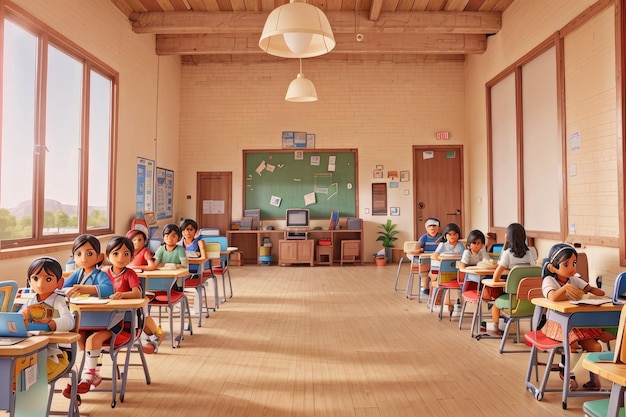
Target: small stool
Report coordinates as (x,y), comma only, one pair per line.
(350,251)
(324,255)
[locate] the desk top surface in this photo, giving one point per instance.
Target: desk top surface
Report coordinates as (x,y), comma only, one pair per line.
(122,304)
(614,372)
(480,271)
(24,347)
(164,273)
(493,284)
(567,307)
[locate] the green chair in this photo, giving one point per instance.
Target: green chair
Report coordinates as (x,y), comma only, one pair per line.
(514,303)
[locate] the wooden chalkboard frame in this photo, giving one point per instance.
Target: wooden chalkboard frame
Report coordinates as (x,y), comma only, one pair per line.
(293,177)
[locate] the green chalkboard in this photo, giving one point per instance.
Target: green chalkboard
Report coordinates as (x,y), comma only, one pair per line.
(276,180)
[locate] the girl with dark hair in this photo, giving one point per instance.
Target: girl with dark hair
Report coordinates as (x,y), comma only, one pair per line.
(474,250)
(561,283)
(450,244)
(514,252)
(190,242)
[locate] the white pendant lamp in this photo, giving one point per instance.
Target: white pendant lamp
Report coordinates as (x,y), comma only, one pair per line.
(297,30)
(301,90)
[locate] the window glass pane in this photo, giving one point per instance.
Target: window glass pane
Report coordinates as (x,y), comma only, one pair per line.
(63,125)
(18,133)
(100,108)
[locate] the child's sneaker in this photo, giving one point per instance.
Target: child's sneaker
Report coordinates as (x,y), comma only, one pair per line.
(89,378)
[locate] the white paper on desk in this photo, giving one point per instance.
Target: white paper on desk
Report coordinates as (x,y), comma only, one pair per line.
(89,300)
(592,301)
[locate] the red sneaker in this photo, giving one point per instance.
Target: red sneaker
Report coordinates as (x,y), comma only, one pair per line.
(91,377)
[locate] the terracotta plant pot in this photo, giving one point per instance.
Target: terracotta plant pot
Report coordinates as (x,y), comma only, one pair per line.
(380,260)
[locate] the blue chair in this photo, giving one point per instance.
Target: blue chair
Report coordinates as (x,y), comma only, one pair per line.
(221,269)
(619,289)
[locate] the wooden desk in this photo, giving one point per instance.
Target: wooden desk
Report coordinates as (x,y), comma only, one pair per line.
(13,359)
(616,373)
(570,315)
(163,280)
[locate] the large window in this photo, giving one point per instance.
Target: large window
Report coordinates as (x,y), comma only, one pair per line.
(57,138)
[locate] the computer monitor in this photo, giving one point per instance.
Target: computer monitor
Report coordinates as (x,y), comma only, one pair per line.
(297,219)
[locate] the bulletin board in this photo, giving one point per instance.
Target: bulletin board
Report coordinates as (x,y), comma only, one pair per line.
(164,193)
(144,200)
(276,180)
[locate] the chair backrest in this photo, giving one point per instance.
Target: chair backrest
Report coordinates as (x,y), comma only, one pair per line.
(410,245)
(517,273)
(75,310)
(448,270)
(619,289)
(154,244)
(430,246)
(512,287)
(8,290)
(213,250)
(222,241)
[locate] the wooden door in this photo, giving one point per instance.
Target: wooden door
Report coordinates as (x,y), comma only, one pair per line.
(214,205)
(438,186)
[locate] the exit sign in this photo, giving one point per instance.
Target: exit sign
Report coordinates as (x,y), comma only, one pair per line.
(443,135)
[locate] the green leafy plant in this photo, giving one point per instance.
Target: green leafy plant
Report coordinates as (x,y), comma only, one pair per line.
(387,234)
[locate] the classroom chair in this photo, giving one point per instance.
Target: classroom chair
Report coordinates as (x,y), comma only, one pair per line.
(168,297)
(470,293)
(213,256)
(409,246)
(445,283)
(619,289)
(8,290)
(441,272)
(539,342)
(221,267)
(514,304)
(71,372)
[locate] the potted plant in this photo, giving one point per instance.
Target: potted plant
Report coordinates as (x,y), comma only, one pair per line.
(387,236)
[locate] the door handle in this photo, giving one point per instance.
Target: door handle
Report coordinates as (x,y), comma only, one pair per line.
(458,211)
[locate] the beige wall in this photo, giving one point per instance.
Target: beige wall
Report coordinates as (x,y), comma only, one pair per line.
(383,109)
(525,25)
(101,29)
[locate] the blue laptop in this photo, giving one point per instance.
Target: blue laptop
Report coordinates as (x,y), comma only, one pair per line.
(12,328)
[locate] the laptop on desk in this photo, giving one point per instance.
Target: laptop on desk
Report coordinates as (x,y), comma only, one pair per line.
(12,329)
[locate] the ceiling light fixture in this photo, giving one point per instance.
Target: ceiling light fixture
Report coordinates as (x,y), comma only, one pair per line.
(297,30)
(301,90)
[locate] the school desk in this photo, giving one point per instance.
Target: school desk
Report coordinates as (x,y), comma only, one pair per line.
(570,315)
(479,276)
(422,259)
(162,280)
(614,372)
(14,360)
(487,283)
(105,316)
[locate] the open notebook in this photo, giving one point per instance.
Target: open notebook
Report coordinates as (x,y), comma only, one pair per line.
(12,328)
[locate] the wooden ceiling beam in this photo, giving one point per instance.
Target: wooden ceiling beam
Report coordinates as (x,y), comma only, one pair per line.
(372,43)
(341,22)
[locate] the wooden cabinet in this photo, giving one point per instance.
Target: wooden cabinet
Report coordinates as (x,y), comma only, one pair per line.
(295,252)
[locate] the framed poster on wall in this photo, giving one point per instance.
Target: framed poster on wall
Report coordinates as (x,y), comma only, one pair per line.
(164,193)
(144,200)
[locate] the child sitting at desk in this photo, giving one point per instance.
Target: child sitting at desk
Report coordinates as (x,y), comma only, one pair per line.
(450,245)
(561,283)
(143,257)
(171,252)
(190,242)
(88,278)
(119,252)
(515,252)
(48,310)
(432,237)
(475,251)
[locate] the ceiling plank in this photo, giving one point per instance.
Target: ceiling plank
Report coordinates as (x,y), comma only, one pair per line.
(378,43)
(341,22)
(375,9)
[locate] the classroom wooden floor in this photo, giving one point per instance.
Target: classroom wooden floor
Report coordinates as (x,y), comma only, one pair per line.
(327,341)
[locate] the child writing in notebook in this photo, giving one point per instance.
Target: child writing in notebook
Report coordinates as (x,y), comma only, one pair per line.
(48,310)
(119,252)
(561,283)
(514,252)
